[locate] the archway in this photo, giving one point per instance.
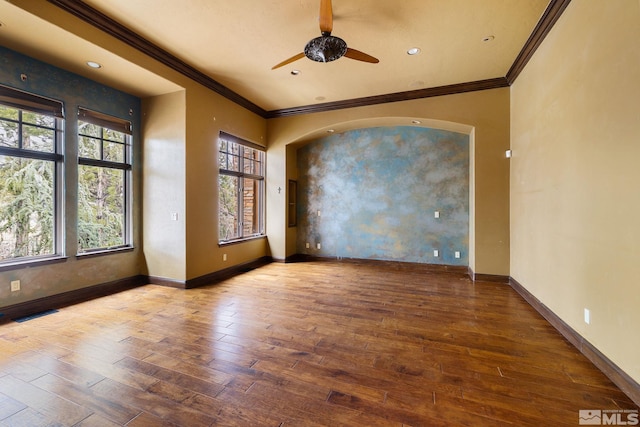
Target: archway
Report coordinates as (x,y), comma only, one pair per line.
(308,134)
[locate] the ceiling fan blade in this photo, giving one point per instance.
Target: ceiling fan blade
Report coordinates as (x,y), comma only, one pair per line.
(289,61)
(360,56)
(326,17)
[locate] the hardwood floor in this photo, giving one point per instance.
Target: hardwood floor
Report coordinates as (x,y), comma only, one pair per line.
(316,343)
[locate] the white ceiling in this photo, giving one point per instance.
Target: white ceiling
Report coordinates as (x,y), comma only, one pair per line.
(237,42)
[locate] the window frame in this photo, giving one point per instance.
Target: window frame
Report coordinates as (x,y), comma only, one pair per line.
(25,101)
(240,174)
(105,121)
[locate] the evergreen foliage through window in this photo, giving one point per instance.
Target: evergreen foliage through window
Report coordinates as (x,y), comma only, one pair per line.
(104,166)
(30,176)
(240,189)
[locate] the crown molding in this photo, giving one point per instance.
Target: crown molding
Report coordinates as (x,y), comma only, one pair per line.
(498,82)
(550,16)
(101,21)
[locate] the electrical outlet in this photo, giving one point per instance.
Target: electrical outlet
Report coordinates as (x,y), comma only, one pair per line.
(587,316)
(457,254)
(224,257)
(318,246)
(15,285)
(436,214)
(436,253)
(307,245)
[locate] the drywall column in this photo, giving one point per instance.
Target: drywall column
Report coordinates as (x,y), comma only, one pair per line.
(164,139)
(277,200)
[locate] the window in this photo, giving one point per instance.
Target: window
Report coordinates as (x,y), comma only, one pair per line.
(104,182)
(240,189)
(30,176)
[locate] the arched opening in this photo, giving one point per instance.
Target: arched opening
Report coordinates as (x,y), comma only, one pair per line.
(418,207)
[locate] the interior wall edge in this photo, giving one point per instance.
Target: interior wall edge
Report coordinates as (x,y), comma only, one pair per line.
(494,278)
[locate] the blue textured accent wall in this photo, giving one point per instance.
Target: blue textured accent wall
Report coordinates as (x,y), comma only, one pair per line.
(73,90)
(377,190)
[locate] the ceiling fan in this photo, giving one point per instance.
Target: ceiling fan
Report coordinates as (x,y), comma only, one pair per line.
(327,48)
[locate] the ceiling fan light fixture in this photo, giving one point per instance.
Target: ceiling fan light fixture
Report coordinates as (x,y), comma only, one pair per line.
(325,48)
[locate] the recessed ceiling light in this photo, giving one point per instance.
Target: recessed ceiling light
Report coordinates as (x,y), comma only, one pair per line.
(330,130)
(93,64)
(320,98)
(417,83)
(416,122)
(488,39)
(295,72)
(413,51)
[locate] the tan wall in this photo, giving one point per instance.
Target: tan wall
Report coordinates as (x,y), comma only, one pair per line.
(164,147)
(484,115)
(207,114)
(575,203)
(180,133)
(181,176)
(180,138)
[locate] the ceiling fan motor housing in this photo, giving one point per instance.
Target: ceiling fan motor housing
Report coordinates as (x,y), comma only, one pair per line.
(325,48)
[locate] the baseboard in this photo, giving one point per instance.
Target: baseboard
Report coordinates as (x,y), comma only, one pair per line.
(620,378)
(398,265)
(495,278)
(211,278)
(65,299)
(227,273)
(295,258)
(165,281)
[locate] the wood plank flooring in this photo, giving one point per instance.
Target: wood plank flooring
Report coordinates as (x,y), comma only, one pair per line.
(305,344)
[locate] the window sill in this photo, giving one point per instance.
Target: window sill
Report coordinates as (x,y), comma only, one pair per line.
(102,252)
(32,262)
(242,240)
